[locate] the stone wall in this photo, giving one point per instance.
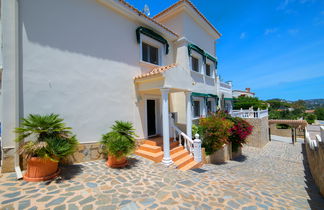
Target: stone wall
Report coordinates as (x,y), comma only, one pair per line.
(315,157)
(85,152)
(260,135)
(8,160)
(284,132)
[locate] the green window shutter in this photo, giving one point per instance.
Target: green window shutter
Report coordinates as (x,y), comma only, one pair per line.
(197,49)
(153,35)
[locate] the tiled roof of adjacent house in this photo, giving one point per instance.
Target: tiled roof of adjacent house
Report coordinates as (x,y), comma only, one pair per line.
(157,70)
(196,10)
(145,16)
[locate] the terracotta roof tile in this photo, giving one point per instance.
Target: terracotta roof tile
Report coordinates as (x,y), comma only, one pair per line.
(155,71)
(145,16)
(193,6)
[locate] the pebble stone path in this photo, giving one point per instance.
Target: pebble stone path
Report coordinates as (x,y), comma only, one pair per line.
(270,178)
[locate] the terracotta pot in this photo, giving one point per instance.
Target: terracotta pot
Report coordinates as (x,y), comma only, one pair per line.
(113,162)
(40,169)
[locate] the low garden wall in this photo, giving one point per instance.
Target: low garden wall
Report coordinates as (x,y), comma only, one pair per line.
(85,152)
(221,156)
(315,157)
(260,135)
(8,159)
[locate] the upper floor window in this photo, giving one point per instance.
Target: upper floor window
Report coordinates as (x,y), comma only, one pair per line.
(208,70)
(194,64)
(150,53)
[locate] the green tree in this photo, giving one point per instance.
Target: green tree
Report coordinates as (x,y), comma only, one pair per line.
(310,118)
(319,112)
(276,104)
(245,102)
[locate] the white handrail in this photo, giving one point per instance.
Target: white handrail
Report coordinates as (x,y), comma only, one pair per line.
(184,139)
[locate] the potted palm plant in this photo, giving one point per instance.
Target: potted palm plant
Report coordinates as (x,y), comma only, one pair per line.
(48,141)
(119,143)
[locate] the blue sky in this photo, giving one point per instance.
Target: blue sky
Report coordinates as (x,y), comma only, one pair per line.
(275,47)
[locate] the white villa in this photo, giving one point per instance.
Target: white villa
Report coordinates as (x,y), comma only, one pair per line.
(97,61)
(246,92)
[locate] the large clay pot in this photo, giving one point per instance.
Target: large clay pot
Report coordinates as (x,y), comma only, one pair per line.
(113,162)
(40,169)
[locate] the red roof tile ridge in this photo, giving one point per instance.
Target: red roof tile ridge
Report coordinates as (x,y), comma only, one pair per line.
(196,10)
(145,16)
(156,70)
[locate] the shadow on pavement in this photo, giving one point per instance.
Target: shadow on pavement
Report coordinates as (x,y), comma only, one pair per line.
(316,200)
(240,158)
(70,171)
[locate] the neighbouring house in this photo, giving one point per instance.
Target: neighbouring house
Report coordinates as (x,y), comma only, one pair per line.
(94,62)
(247,92)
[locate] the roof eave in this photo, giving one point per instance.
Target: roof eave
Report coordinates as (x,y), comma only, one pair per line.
(188,5)
(129,11)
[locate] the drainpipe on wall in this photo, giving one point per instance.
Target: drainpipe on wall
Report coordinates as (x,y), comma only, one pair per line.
(11,75)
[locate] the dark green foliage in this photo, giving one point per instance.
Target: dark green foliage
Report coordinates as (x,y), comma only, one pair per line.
(310,118)
(120,141)
(282,126)
(50,138)
(319,112)
(245,102)
(276,104)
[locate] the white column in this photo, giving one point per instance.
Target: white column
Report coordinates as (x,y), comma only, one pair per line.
(166,129)
(189,115)
(10,78)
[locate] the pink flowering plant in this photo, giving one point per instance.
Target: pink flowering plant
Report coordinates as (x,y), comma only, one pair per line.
(239,132)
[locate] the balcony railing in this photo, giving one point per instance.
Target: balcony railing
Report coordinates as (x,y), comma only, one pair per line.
(249,113)
(225,85)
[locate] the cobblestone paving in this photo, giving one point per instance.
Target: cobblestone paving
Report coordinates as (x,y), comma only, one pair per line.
(268,178)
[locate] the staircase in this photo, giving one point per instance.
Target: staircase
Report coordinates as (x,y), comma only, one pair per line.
(152,149)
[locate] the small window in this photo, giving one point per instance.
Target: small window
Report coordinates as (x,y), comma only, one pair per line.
(196,108)
(208,72)
(209,107)
(150,54)
(195,64)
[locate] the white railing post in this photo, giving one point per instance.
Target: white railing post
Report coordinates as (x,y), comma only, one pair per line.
(197,148)
(241,115)
(259,116)
(322,133)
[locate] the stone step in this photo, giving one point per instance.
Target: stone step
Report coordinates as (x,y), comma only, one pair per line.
(176,149)
(178,155)
(189,166)
(155,156)
(183,161)
(150,148)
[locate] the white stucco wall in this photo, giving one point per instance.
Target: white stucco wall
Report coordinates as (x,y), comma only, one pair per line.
(185,25)
(76,62)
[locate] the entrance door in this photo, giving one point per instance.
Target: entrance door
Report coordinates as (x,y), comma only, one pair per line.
(151,118)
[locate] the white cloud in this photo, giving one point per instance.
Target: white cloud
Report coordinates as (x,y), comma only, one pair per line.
(243,35)
(270,31)
(283,4)
(293,31)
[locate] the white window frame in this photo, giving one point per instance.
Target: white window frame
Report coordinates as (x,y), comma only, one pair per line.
(153,43)
(200,62)
(202,107)
(212,68)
